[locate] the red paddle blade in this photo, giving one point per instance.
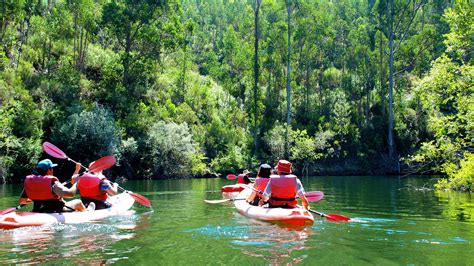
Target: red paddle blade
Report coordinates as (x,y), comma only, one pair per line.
(103,163)
(231,177)
(2,212)
(314,195)
(141,199)
(336,217)
(54,151)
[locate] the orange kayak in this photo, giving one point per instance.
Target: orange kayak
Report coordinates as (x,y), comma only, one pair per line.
(295,216)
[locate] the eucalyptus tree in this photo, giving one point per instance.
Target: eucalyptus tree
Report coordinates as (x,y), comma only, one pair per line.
(400,17)
(256,7)
(143,29)
(288,5)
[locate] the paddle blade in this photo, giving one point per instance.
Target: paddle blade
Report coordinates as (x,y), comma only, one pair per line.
(337,218)
(2,212)
(54,151)
(231,177)
(217,201)
(313,196)
(103,163)
(141,199)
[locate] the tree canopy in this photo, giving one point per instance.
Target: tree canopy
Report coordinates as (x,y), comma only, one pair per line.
(197,88)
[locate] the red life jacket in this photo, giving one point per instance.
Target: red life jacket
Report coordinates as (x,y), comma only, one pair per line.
(283,191)
(88,186)
(38,187)
(240,179)
(262,183)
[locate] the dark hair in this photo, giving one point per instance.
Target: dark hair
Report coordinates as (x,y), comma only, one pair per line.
(247,179)
(40,171)
(264,171)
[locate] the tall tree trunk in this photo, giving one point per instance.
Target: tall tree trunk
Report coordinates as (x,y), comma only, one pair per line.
(288,76)
(382,78)
(391,144)
(256,76)
(126,61)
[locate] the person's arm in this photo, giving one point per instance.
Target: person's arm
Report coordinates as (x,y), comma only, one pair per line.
(267,192)
(107,186)
(304,202)
(75,175)
(252,196)
(24,198)
(301,193)
(62,191)
(113,190)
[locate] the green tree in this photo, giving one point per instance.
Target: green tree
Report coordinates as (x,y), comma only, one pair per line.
(446,93)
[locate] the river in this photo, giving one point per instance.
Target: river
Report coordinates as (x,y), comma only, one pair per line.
(397,222)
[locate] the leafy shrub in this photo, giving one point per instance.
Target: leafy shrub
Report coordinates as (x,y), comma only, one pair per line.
(459,179)
(275,141)
(171,151)
(88,135)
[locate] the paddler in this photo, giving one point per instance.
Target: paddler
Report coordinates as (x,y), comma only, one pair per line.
(282,189)
(263,176)
(244,178)
(47,193)
(95,189)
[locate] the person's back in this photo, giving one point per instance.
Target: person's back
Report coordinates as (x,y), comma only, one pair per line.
(95,188)
(243,178)
(282,189)
(261,181)
(46,192)
(38,188)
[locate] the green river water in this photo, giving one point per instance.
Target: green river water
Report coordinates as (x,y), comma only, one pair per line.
(398,222)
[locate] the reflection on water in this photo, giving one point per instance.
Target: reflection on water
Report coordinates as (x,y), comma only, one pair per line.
(71,243)
(273,243)
(459,206)
(399,222)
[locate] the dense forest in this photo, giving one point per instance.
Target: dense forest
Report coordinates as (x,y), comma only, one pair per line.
(197,88)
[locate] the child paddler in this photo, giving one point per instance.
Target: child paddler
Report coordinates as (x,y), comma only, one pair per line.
(282,189)
(263,176)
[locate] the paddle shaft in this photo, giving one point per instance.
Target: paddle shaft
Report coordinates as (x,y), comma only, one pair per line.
(331,216)
(318,213)
(71,160)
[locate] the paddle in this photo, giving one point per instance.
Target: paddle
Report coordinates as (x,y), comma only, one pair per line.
(5,211)
(97,166)
(332,217)
(138,198)
(231,177)
(220,201)
(312,196)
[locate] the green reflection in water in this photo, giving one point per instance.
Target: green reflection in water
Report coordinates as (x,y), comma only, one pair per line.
(401,221)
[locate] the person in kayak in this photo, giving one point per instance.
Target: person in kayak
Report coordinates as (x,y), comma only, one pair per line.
(47,193)
(263,176)
(244,178)
(95,189)
(282,189)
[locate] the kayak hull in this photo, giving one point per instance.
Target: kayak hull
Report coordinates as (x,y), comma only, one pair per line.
(292,217)
(120,204)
